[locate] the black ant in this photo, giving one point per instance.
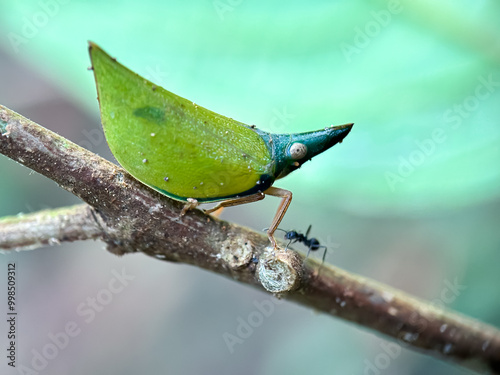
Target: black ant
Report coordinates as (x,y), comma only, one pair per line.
(312,243)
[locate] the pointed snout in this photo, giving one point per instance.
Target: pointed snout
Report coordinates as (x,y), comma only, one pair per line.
(336,134)
(321,140)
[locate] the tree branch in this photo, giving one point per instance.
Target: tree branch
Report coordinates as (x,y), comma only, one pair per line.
(130,217)
(48,227)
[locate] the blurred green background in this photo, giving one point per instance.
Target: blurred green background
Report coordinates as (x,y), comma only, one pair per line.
(410,198)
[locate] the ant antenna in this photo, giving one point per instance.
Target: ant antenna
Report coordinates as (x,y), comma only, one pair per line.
(282,230)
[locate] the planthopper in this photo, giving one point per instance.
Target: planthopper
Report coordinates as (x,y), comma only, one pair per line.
(192,154)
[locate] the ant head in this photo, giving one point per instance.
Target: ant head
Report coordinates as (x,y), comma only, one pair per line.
(289,235)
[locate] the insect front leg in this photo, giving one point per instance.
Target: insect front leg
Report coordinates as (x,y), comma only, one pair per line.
(190,204)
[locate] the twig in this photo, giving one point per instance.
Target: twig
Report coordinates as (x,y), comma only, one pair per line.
(48,227)
(131,217)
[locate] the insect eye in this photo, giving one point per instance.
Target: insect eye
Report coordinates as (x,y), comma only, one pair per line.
(298,151)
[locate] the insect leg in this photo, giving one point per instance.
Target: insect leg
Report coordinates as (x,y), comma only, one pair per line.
(218,212)
(191,203)
(236,202)
(285,202)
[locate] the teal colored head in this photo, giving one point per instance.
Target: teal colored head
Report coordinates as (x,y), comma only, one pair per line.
(290,151)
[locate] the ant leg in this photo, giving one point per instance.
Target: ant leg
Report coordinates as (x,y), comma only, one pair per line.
(324,255)
(308,252)
(323,261)
(308,230)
